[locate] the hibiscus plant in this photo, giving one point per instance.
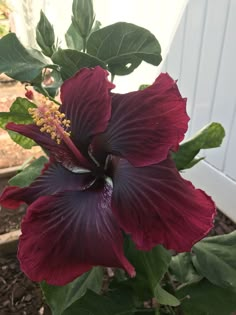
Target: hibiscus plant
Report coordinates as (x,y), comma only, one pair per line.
(111,226)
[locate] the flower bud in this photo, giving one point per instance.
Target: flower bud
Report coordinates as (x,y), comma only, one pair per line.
(45,35)
(29,94)
(83,16)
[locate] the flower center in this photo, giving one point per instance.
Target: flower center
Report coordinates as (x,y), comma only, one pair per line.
(48,117)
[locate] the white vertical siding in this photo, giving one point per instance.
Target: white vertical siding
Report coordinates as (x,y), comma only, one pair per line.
(207,77)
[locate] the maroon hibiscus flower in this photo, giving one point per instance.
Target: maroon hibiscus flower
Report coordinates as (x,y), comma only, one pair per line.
(110,171)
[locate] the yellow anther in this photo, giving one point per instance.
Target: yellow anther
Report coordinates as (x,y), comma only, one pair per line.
(50,119)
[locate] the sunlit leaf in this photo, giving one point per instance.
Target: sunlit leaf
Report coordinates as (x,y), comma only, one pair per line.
(209,137)
(19,114)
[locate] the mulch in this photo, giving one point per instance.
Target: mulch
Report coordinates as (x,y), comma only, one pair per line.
(18,295)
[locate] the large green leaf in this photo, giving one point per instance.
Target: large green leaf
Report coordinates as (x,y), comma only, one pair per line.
(215,259)
(94,304)
(72,60)
(28,174)
(150,267)
(123,46)
(16,61)
(181,267)
(209,137)
(204,298)
(18,114)
(59,298)
(45,36)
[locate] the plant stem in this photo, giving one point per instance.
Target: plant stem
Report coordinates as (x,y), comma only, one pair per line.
(112,77)
(178,309)
(84,44)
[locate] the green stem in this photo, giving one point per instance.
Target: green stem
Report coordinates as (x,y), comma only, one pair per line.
(178,309)
(112,77)
(84,44)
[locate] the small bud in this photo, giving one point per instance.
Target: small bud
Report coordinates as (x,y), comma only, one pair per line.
(29,94)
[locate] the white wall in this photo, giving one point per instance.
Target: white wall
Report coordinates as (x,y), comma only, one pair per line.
(202,57)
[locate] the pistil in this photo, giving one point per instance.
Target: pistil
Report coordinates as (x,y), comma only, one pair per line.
(50,120)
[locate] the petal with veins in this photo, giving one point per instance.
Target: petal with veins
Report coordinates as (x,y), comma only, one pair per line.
(157,206)
(66,234)
(86,102)
(54,179)
(146,124)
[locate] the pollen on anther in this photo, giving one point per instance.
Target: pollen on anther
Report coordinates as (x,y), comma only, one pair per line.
(50,119)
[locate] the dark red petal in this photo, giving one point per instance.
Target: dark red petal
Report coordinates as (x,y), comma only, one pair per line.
(146,124)
(61,152)
(86,101)
(66,234)
(157,206)
(55,178)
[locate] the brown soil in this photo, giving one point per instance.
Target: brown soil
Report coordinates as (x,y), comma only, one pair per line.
(18,295)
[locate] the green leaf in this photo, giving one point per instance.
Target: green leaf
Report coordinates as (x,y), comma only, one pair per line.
(16,61)
(204,298)
(215,259)
(73,39)
(72,60)
(165,298)
(123,46)
(83,16)
(59,298)
(181,267)
(45,36)
(19,114)
(211,136)
(28,174)
(150,268)
(143,87)
(94,304)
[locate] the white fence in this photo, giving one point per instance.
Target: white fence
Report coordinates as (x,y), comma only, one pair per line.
(202,56)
